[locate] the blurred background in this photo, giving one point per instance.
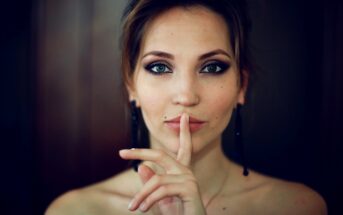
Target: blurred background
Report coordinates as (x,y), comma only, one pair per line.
(63,113)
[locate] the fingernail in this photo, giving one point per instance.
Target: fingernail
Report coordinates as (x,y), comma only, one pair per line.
(122,151)
(142,207)
(131,204)
(125,150)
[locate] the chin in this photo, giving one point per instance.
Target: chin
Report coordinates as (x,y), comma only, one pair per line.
(199,142)
(171,145)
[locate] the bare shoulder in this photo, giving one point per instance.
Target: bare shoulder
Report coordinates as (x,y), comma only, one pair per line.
(67,203)
(284,197)
(107,197)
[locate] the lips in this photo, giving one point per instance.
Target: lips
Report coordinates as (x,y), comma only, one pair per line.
(194,124)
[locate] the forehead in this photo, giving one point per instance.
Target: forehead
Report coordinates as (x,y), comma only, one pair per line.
(194,28)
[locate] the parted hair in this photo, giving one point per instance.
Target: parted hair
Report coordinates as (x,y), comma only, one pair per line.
(138,14)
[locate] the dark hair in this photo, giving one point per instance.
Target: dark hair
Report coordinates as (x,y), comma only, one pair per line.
(139,13)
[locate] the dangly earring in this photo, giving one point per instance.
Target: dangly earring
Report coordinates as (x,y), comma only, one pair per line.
(134,131)
(239,140)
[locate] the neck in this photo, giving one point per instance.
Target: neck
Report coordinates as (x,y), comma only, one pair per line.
(211,168)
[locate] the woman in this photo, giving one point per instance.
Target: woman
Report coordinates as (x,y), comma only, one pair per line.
(186,67)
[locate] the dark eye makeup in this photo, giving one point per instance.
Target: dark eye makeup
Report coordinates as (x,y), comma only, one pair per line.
(157,68)
(214,67)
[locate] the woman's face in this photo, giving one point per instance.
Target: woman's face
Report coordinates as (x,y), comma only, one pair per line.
(186,65)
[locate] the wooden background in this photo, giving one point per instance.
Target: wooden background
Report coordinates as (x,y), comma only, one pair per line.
(64,116)
(81,121)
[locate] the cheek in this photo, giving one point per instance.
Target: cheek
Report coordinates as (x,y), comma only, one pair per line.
(221,102)
(151,102)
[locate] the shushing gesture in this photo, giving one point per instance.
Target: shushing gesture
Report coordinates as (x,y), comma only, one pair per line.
(174,192)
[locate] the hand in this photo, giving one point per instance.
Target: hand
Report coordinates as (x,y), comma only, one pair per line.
(168,205)
(178,182)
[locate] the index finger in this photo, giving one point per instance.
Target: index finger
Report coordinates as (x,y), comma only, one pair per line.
(185,146)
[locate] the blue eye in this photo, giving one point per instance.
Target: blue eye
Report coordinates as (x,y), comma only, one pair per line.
(215,68)
(158,68)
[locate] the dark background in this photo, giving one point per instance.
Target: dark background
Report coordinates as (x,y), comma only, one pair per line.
(63,115)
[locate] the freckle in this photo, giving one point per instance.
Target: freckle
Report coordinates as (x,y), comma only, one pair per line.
(221,86)
(165,117)
(224,208)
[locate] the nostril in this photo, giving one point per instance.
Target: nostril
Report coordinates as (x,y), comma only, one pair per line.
(185,90)
(186,99)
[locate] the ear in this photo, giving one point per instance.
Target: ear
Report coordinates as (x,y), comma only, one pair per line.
(243,87)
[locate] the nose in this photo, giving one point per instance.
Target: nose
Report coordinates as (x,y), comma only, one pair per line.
(185,91)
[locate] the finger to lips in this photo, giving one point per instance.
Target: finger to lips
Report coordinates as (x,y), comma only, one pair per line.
(185,147)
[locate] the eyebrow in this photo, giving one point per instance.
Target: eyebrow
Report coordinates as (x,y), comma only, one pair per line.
(201,57)
(159,54)
(214,52)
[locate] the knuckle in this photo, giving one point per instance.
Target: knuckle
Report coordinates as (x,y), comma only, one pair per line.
(193,190)
(188,172)
(149,200)
(157,179)
(159,154)
(192,185)
(193,179)
(164,190)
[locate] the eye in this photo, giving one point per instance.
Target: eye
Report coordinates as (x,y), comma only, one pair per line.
(158,68)
(215,68)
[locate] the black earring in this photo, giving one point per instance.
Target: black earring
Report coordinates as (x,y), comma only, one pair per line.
(239,139)
(134,131)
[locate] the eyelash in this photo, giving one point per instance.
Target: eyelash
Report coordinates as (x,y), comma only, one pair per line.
(218,65)
(150,68)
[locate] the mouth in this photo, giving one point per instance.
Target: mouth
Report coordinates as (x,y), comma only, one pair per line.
(194,124)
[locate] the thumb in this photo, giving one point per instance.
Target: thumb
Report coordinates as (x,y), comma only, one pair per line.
(145,173)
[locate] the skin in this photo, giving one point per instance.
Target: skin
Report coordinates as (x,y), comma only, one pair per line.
(186,172)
